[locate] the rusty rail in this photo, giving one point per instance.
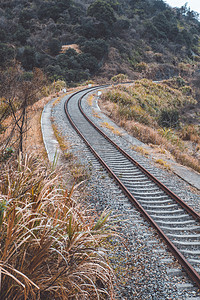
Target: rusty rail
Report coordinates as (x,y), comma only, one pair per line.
(182,260)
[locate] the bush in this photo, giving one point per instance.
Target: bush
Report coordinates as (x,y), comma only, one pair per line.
(27,58)
(7,53)
(98,48)
(142,66)
(102,11)
(119,78)
(87,61)
(54,46)
(49,242)
(169,118)
(186,90)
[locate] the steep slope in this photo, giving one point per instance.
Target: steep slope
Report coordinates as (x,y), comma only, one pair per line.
(136,37)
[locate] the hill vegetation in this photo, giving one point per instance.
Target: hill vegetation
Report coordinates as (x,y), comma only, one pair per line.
(114,36)
(155,113)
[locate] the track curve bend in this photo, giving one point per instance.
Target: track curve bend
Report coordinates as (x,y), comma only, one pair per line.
(176,223)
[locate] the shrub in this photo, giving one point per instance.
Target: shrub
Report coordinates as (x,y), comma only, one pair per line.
(7,53)
(169,118)
(186,90)
(142,66)
(119,78)
(54,46)
(98,48)
(190,133)
(49,242)
(102,11)
(87,61)
(27,58)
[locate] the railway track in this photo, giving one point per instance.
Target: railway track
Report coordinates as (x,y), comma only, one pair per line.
(176,223)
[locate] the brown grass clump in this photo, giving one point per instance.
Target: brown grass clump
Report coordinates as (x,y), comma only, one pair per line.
(137,108)
(95,114)
(111,128)
(152,136)
(90,100)
(190,133)
(50,243)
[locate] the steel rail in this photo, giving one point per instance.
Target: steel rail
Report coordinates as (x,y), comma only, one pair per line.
(182,260)
(153,178)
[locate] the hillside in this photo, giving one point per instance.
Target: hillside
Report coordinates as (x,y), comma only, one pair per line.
(138,38)
(156,114)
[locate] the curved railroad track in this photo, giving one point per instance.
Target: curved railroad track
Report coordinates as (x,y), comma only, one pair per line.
(176,223)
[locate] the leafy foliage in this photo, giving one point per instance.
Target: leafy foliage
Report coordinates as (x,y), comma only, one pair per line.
(34,31)
(102,11)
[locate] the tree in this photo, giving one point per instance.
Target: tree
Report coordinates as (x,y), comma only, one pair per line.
(53,9)
(102,11)
(19,91)
(89,62)
(7,53)
(169,118)
(2,35)
(119,78)
(21,34)
(54,46)
(25,16)
(98,48)
(27,57)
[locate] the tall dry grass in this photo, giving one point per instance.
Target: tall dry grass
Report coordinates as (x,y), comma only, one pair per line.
(149,135)
(50,243)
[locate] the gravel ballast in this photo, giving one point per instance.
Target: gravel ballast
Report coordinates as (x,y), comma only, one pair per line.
(142,263)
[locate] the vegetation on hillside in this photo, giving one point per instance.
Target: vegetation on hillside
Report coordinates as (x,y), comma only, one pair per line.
(155,114)
(115,36)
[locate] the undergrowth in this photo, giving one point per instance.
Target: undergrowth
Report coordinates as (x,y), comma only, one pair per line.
(50,243)
(110,127)
(144,107)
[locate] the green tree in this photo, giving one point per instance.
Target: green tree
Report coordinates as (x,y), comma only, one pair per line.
(7,53)
(25,16)
(102,11)
(54,46)
(27,57)
(98,48)
(53,9)
(21,35)
(2,35)
(169,118)
(89,62)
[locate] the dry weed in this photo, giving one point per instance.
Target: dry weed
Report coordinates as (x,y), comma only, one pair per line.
(110,127)
(50,244)
(128,107)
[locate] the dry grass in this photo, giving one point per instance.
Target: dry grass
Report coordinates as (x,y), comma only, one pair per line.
(64,145)
(95,114)
(141,150)
(146,130)
(50,243)
(151,136)
(90,100)
(110,127)
(163,163)
(77,170)
(72,46)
